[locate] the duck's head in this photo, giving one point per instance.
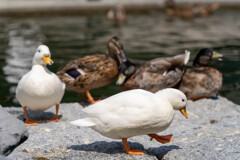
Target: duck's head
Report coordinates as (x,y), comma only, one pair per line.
(205,56)
(115,50)
(169,4)
(117,13)
(177,99)
(42,56)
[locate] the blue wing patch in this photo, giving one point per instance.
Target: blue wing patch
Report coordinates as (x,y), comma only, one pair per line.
(73,73)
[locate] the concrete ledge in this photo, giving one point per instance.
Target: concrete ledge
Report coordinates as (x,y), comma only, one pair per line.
(23,7)
(69,6)
(211,132)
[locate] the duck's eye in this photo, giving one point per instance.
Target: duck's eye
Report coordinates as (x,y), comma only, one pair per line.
(183,100)
(39,51)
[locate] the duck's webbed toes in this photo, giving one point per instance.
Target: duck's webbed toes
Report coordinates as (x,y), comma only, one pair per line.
(162,139)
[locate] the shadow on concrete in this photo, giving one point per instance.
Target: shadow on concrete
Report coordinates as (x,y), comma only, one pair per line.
(160,152)
(84,104)
(117,147)
(38,116)
(106,147)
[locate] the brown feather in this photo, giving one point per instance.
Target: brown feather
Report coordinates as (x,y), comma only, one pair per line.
(201,82)
(99,70)
(156,74)
(189,10)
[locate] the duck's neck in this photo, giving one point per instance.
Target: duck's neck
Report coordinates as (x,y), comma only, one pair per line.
(167,110)
(127,68)
(40,67)
(165,95)
(198,65)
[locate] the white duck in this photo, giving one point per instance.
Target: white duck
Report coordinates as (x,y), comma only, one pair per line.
(135,112)
(40,89)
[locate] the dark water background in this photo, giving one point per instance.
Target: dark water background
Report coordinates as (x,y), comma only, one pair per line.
(145,36)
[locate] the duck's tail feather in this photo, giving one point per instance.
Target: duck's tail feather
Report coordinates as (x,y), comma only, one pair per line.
(187,56)
(86,122)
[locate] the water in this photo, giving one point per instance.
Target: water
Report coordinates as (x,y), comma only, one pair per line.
(145,36)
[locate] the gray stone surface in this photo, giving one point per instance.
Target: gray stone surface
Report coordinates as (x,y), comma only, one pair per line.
(12,132)
(3,158)
(211,132)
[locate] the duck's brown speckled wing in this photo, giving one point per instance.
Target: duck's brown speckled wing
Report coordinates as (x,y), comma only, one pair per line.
(201,82)
(88,72)
(156,74)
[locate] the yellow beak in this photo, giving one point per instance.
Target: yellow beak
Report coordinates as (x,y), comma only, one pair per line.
(121,79)
(183,111)
(217,56)
(47,60)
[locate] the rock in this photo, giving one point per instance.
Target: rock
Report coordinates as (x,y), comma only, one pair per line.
(3,158)
(211,132)
(12,132)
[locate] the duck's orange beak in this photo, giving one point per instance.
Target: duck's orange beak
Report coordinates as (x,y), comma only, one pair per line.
(47,59)
(183,111)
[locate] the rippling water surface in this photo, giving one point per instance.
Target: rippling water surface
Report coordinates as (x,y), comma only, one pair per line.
(145,36)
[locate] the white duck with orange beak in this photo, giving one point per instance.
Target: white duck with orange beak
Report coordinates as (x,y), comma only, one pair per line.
(39,89)
(133,113)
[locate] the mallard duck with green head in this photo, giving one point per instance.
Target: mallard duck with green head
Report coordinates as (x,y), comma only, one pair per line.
(202,80)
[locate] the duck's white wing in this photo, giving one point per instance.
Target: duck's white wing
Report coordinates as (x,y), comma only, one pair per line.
(124,101)
(127,114)
(126,109)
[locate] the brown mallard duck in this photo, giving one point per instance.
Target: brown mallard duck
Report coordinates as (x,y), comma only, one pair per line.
(117,13)
(202,80)
(153,75)
(94,71)
(189,10)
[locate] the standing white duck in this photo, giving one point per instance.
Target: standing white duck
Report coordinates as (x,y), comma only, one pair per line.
(135,112)
(40,89)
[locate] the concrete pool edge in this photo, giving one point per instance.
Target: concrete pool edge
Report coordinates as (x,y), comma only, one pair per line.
(211,132)
(23,7)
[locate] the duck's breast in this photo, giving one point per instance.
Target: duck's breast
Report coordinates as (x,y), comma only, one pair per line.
(204,81)
(40,89)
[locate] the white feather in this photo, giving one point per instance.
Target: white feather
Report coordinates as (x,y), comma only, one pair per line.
(132,113)
(83,122)
(40,89)
(187,56)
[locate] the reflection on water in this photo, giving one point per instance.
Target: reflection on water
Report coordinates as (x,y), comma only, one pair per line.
(21,46)
(145,36)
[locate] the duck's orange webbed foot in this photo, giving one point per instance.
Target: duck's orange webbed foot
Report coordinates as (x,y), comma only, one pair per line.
(28,122)
(31,123)
(200,97)
(55,119)
(90,98)
(162,139)
(135,152)
(128,150)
